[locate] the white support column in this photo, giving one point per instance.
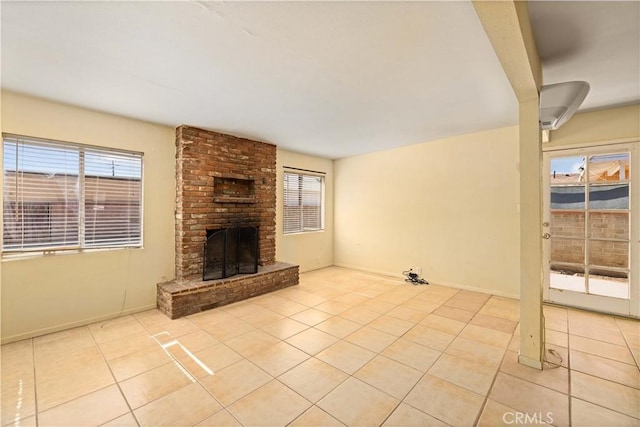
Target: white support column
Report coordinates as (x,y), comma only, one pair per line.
(508,27)
(531,333)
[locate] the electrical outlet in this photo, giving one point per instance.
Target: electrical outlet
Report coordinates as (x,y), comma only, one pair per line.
(417,270)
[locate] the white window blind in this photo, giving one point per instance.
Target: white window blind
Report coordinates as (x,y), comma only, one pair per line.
(65,196)
(303,199)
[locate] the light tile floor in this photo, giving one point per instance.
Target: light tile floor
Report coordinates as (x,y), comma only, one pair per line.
(342,348)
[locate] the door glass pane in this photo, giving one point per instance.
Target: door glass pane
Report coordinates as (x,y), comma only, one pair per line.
(609,167)
(567,251)
(567,170)
(567,224)
(609,225)
(567,277)
(567,197)
(609,196)
(609,253)
(609,283)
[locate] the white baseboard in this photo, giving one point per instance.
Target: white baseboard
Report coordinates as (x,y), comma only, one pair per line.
(75,324)
(438,282)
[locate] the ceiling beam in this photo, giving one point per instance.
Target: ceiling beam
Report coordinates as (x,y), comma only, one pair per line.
(508,27)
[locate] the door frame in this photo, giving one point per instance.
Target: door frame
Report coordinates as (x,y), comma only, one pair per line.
(630,307)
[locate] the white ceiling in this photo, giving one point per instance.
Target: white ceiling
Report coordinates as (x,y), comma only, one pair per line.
(594,41)
(327,78)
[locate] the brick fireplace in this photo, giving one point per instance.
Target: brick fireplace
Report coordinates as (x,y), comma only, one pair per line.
(222,182)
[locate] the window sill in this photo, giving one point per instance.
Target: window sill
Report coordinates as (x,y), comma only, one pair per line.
(17,256)
(297,233)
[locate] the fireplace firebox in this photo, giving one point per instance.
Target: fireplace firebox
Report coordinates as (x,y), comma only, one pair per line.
(230,251)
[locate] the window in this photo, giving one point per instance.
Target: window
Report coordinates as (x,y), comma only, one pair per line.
(67,196)
(303,202)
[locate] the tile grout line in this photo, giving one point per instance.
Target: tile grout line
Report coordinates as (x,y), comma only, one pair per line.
(84,394)
(225,407)
(610,359)
(400,401)
(35,386)
(434,362)
(313,405)
(52,379)
(398,337)
(495,375)
(222,405)
(194,378)
(117,383)
(311,356)
(445,349)
(543,385)
(588,374)
(594,376)
(272,377)
(624,336)
(349,376)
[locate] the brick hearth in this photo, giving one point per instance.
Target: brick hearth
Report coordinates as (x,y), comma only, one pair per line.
(222,181)
(177,299)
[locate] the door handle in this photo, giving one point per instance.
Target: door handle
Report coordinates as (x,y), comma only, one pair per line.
(546,236)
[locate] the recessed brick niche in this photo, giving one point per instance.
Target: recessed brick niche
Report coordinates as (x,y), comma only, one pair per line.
(222,181)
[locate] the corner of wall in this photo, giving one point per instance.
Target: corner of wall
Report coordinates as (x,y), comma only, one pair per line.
(447,206)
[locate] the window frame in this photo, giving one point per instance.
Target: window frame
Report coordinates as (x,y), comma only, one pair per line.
(80,244)
(301,174)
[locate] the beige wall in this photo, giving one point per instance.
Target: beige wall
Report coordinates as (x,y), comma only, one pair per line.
(46,293)
(309,250)
(602,126)
(447,206)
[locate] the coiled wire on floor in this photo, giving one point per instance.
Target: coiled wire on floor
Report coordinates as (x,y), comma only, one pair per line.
(414,278)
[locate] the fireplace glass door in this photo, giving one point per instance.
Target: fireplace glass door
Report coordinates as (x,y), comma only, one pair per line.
(247,250)
(230,251)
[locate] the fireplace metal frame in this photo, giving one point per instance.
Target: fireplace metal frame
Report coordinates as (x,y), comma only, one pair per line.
(239,266)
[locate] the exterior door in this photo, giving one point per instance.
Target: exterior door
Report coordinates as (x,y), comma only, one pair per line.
(590,226)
